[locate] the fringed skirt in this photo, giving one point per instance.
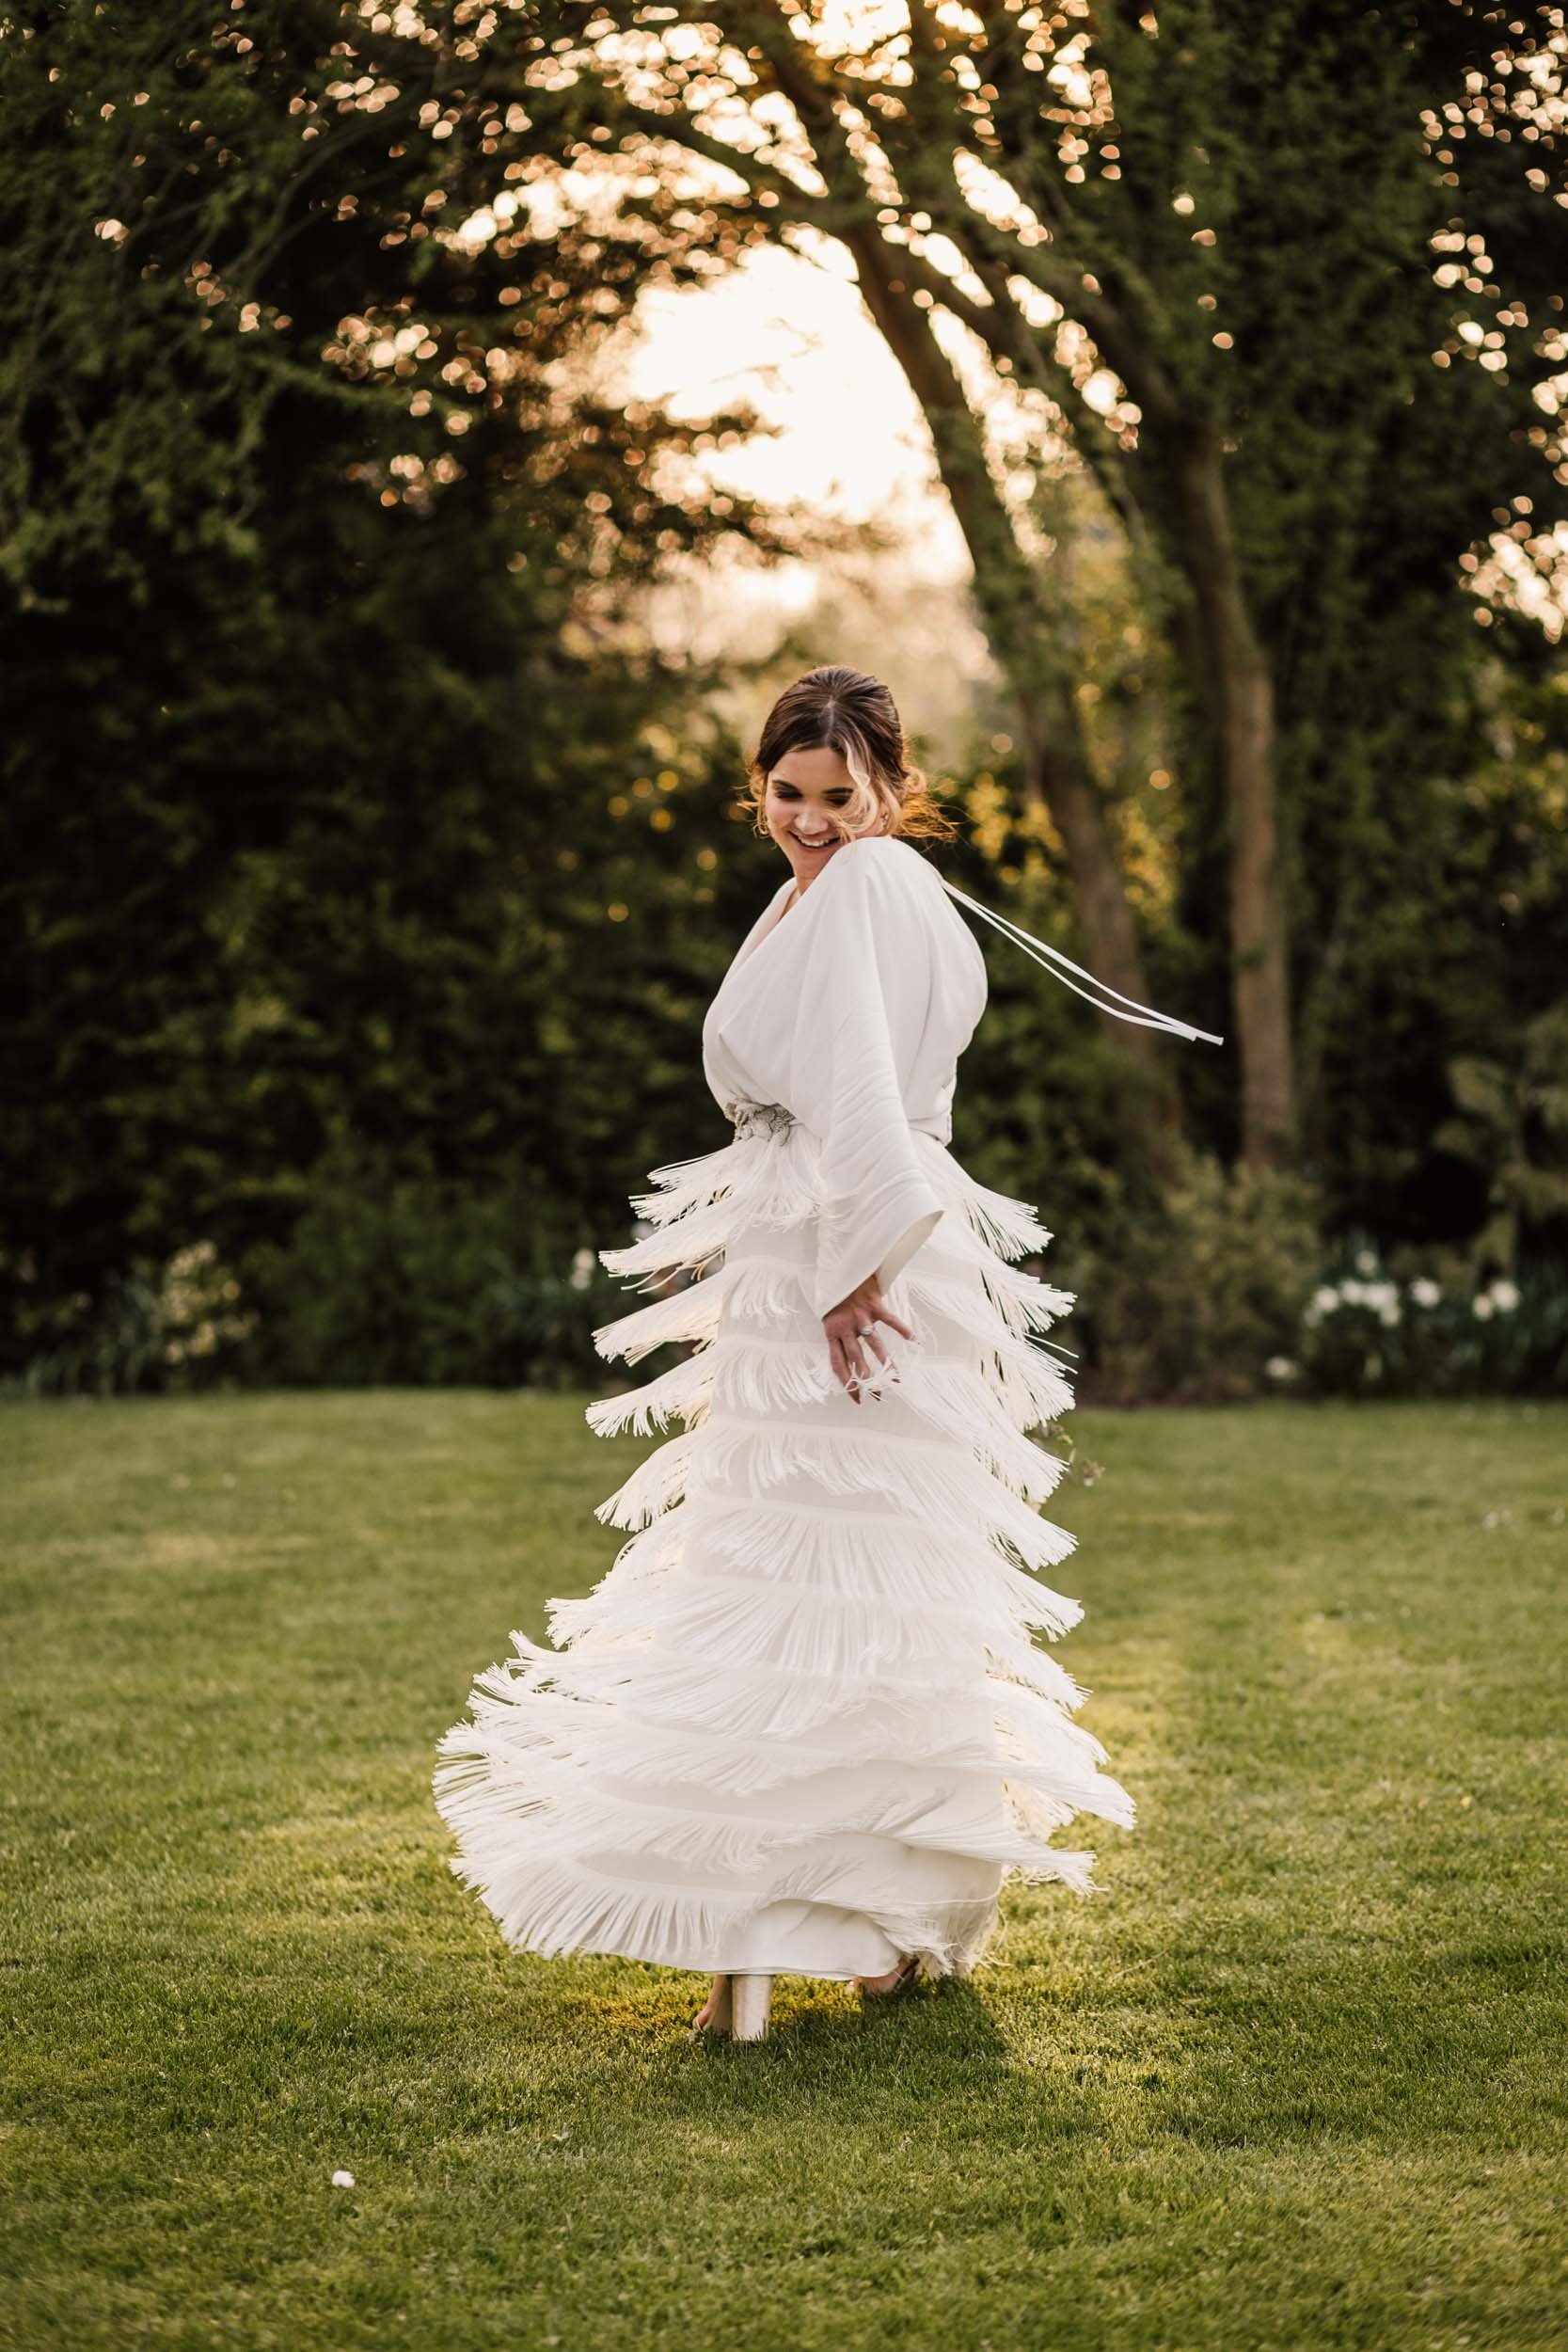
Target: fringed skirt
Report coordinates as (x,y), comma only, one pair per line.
(803,1723)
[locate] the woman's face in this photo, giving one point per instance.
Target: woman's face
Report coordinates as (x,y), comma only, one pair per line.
(807,795)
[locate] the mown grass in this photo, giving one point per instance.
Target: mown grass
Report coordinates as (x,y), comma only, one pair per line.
(1293,2077)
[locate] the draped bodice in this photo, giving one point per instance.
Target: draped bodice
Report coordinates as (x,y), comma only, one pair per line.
(846,1013)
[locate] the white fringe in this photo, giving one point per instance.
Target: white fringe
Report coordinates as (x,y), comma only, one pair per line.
(684,1389)
(744,1374)
(691,1243)
(770,1699)
(571,1907)
(1030,1385)
(1003,1295)
(555,1814)
(798,1860)
(755,1700)
(691,1312)
(768,1290)
(937,1479)
(532,1738)
(746,1638)
(684,1185)
(1012,1228)
(731,1619)
(653,1487)
(895,1562)
(765,1181)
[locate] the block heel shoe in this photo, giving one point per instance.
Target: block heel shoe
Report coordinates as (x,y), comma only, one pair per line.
(750,1998)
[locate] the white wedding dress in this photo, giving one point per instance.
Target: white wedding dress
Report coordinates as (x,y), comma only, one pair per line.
(802,1725)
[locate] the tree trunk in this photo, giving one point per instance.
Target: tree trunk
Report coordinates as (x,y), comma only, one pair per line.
(1057,772)
(1241,688)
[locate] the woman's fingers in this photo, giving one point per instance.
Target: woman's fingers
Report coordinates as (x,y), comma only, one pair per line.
(860,1355)
(839,1357)
(873,1308)
(849,1361)
(855,1346)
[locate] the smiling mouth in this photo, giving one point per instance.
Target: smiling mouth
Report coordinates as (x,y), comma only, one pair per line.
(828,842)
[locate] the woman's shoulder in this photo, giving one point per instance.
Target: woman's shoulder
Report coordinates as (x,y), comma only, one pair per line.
(896,877)
(884,845)
(887,883)
(886,854)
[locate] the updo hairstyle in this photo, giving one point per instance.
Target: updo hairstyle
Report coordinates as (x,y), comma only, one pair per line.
(845,711)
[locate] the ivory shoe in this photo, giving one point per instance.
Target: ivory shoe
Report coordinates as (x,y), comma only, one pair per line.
(750,2000)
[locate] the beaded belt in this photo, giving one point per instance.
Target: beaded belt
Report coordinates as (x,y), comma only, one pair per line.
(758,1119)
(771,1119)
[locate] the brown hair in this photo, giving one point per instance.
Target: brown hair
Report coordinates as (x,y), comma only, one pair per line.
(845,711)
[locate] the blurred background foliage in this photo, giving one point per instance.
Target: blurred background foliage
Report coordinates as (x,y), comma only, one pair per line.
(370,857)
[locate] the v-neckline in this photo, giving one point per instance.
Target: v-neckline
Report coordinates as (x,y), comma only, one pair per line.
(751,954)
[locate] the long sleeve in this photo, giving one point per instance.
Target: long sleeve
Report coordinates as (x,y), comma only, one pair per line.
(858,1018)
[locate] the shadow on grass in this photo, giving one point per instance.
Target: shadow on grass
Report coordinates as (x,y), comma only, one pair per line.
(855,2070)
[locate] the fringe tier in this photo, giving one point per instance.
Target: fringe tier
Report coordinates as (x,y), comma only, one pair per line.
(804,1722)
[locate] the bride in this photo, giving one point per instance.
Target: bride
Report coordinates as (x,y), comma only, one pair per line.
(802,1725)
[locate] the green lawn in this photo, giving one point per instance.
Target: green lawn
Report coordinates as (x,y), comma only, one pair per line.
(1295,2075)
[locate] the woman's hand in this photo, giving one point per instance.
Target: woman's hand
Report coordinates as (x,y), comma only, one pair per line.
(850,1332)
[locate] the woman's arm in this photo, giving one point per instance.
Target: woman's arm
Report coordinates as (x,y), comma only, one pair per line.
(878,1204)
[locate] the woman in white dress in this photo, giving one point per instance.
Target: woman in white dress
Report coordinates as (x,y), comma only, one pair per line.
(802,1725)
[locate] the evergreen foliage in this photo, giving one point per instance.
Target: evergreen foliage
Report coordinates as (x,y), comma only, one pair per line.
(328,813)
(353,835)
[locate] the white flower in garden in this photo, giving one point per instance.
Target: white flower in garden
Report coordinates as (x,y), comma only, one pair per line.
(343,2179)
(1351,1291)
(1366,1261)
(1424,1292)
(1504,1294)
(1381,1295)
(1326,1299)
(583,1270)
(1389,1311)
(1280,1368)
(1481,1305)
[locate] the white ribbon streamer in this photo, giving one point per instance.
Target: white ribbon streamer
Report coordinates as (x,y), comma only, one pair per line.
(1145,1017)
